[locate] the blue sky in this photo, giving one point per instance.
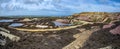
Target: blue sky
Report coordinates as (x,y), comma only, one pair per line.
(56,7)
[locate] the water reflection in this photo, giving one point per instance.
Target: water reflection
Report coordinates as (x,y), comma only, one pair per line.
(61,24)
(16,24)
(6,20)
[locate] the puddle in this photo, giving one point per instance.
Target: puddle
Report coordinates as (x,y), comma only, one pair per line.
(16,24)
(60,24)
(6,20)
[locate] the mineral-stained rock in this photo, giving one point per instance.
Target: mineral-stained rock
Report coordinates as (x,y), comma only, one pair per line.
(116,30)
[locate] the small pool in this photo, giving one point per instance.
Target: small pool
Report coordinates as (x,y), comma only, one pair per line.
(6,20)
(60,24)
(16,24)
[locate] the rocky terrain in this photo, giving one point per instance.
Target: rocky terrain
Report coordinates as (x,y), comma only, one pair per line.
(60,39)
(84,37)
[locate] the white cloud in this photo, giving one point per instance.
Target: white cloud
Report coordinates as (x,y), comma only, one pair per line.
(93,7)
(60,6)
(46,4)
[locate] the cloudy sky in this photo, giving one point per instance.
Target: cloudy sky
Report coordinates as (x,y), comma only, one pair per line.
(56,7)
